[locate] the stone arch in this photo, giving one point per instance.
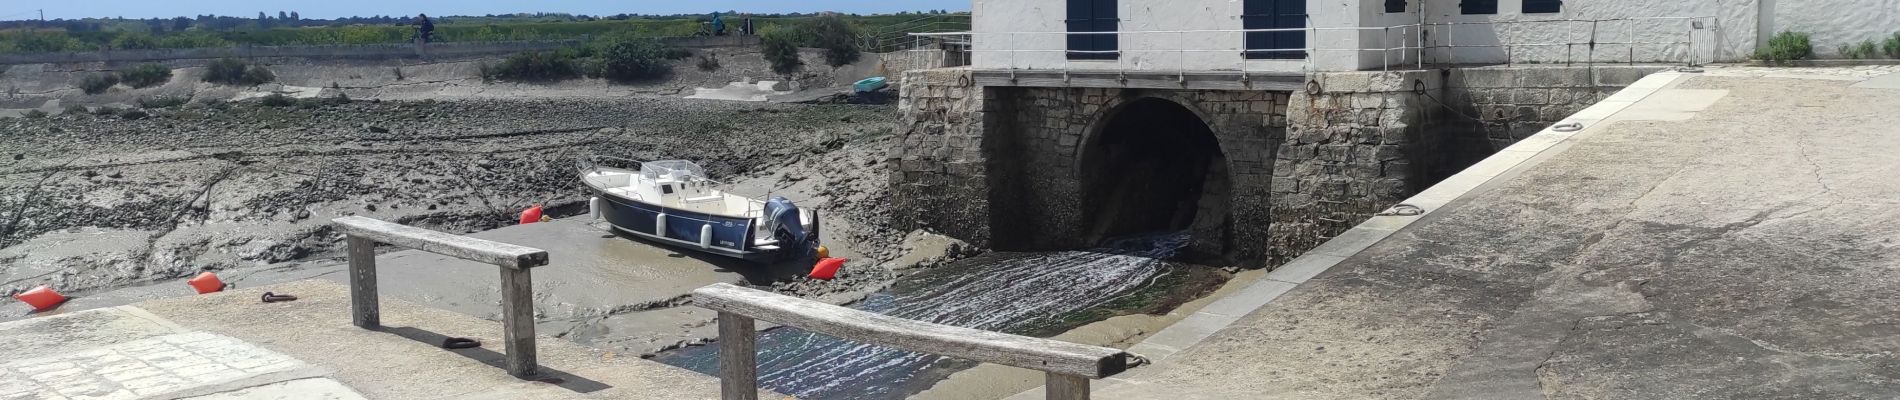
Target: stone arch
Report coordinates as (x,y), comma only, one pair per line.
(1156,162)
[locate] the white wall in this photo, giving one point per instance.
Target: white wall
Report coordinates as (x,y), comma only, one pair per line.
(1030,34)
(1833,23)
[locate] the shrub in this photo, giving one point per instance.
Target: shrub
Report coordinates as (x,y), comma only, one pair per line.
(134,41)
(780,48)
(627,59)
(146,75)
(33,114)
(837,36)
(1786,46)
(98,83)
(533,66)
(75,110)
(1866,49)
(708,63)
(1891,46)
(105,110)
(157,102)
(231,71)
(133,113)
(277,100)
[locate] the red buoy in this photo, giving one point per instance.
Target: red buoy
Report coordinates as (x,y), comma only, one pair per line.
(42,298)
(532,215)
(827,269)
(206,282)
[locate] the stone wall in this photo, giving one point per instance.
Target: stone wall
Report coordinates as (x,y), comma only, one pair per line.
(939,177)
(1003,166)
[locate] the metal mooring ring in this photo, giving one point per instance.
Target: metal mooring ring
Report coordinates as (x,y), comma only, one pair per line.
(1312,88)
(1568,127)
(1403,210)
(1418,86)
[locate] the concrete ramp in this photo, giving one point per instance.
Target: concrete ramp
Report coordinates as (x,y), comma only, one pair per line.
(230,345)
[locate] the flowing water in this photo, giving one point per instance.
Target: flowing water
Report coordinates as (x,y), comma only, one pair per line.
(1020,293)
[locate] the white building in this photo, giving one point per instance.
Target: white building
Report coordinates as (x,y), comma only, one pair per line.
(1341,35)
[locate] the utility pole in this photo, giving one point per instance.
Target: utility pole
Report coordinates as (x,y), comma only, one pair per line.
(42,15)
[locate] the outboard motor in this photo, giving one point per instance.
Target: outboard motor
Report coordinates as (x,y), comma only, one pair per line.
(782,219)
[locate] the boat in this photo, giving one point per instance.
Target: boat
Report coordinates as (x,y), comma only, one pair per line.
(673,202)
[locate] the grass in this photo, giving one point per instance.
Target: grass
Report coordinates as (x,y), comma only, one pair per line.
(146,75)
(1786,46)
(231,71)
(98,83)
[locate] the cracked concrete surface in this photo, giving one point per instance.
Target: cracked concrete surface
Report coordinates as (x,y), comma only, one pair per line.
(1743,252)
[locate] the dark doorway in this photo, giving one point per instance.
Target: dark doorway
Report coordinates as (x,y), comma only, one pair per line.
(1275,14)
(1155,166)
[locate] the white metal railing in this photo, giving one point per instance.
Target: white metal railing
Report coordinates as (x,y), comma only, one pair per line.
(1398,45)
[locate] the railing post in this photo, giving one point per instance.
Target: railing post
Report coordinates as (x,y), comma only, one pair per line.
(1066,387)
(517,320)
(738,364)
(364,311)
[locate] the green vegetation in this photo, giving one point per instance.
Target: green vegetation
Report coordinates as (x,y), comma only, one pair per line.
(33,114)
(146,75)
(1786,46)
(98,83)
(620,58)
(838,37)
(75,110)
(708,63)
(231,71)
(1866,49)
(1891,46)
(217,31)
(779,46)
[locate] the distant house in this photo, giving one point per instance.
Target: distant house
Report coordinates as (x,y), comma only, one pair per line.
(1343,35)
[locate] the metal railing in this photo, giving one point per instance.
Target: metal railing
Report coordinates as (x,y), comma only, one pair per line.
(1398,45)
(1068,367)
(517,284)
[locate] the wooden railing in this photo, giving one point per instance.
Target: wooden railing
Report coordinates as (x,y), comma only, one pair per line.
(1068,366)
(517,285)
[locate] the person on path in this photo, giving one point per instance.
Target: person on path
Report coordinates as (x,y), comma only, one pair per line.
(719,25)
(424,27)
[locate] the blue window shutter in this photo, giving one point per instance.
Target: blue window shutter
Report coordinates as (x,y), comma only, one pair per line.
(1472,7)
(1394,6)
(1543,6)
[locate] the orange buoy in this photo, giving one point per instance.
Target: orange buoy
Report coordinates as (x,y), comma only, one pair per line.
(827,269)
(823,252)
(532,215)
(206,282)
(42,298)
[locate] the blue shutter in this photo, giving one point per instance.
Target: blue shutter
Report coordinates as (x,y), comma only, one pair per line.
(1543,6)
(1274,14)
(1092,16)
(1394,6)
(1478,7)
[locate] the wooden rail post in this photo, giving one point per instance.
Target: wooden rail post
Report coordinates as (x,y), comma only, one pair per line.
(738,358)
(517,320)
(1069,366)
(1066,387)
(517,283)
(364,311)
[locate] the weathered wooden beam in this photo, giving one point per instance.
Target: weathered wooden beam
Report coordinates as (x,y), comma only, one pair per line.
(1065,387)
(503,254)
(738,358)
(979,345)
(517,322)
(365,312)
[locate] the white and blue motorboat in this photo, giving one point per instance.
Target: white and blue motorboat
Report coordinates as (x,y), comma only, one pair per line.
(673,202)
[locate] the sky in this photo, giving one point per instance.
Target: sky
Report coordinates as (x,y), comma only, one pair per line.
(25,9)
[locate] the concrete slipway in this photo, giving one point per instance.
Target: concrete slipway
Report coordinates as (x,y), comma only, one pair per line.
(1724,235)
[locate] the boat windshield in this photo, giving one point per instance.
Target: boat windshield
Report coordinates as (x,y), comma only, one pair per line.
(675,170)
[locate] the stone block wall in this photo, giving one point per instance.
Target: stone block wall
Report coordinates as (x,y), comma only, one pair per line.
(1357,143)
(1512,103)
(1043,132)
(939,178)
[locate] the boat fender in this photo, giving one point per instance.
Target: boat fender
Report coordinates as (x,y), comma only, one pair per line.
(705,236)
(206,282)
(827,269)
(531,215)
(823,252)
(42,298)
(594,207)
(659,225)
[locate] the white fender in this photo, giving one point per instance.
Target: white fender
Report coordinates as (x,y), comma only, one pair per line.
(594,208)
(659,225)
(705,236)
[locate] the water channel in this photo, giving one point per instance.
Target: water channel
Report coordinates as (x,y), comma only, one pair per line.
(1036,294)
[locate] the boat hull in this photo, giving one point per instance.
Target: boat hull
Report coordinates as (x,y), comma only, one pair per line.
(689,230)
